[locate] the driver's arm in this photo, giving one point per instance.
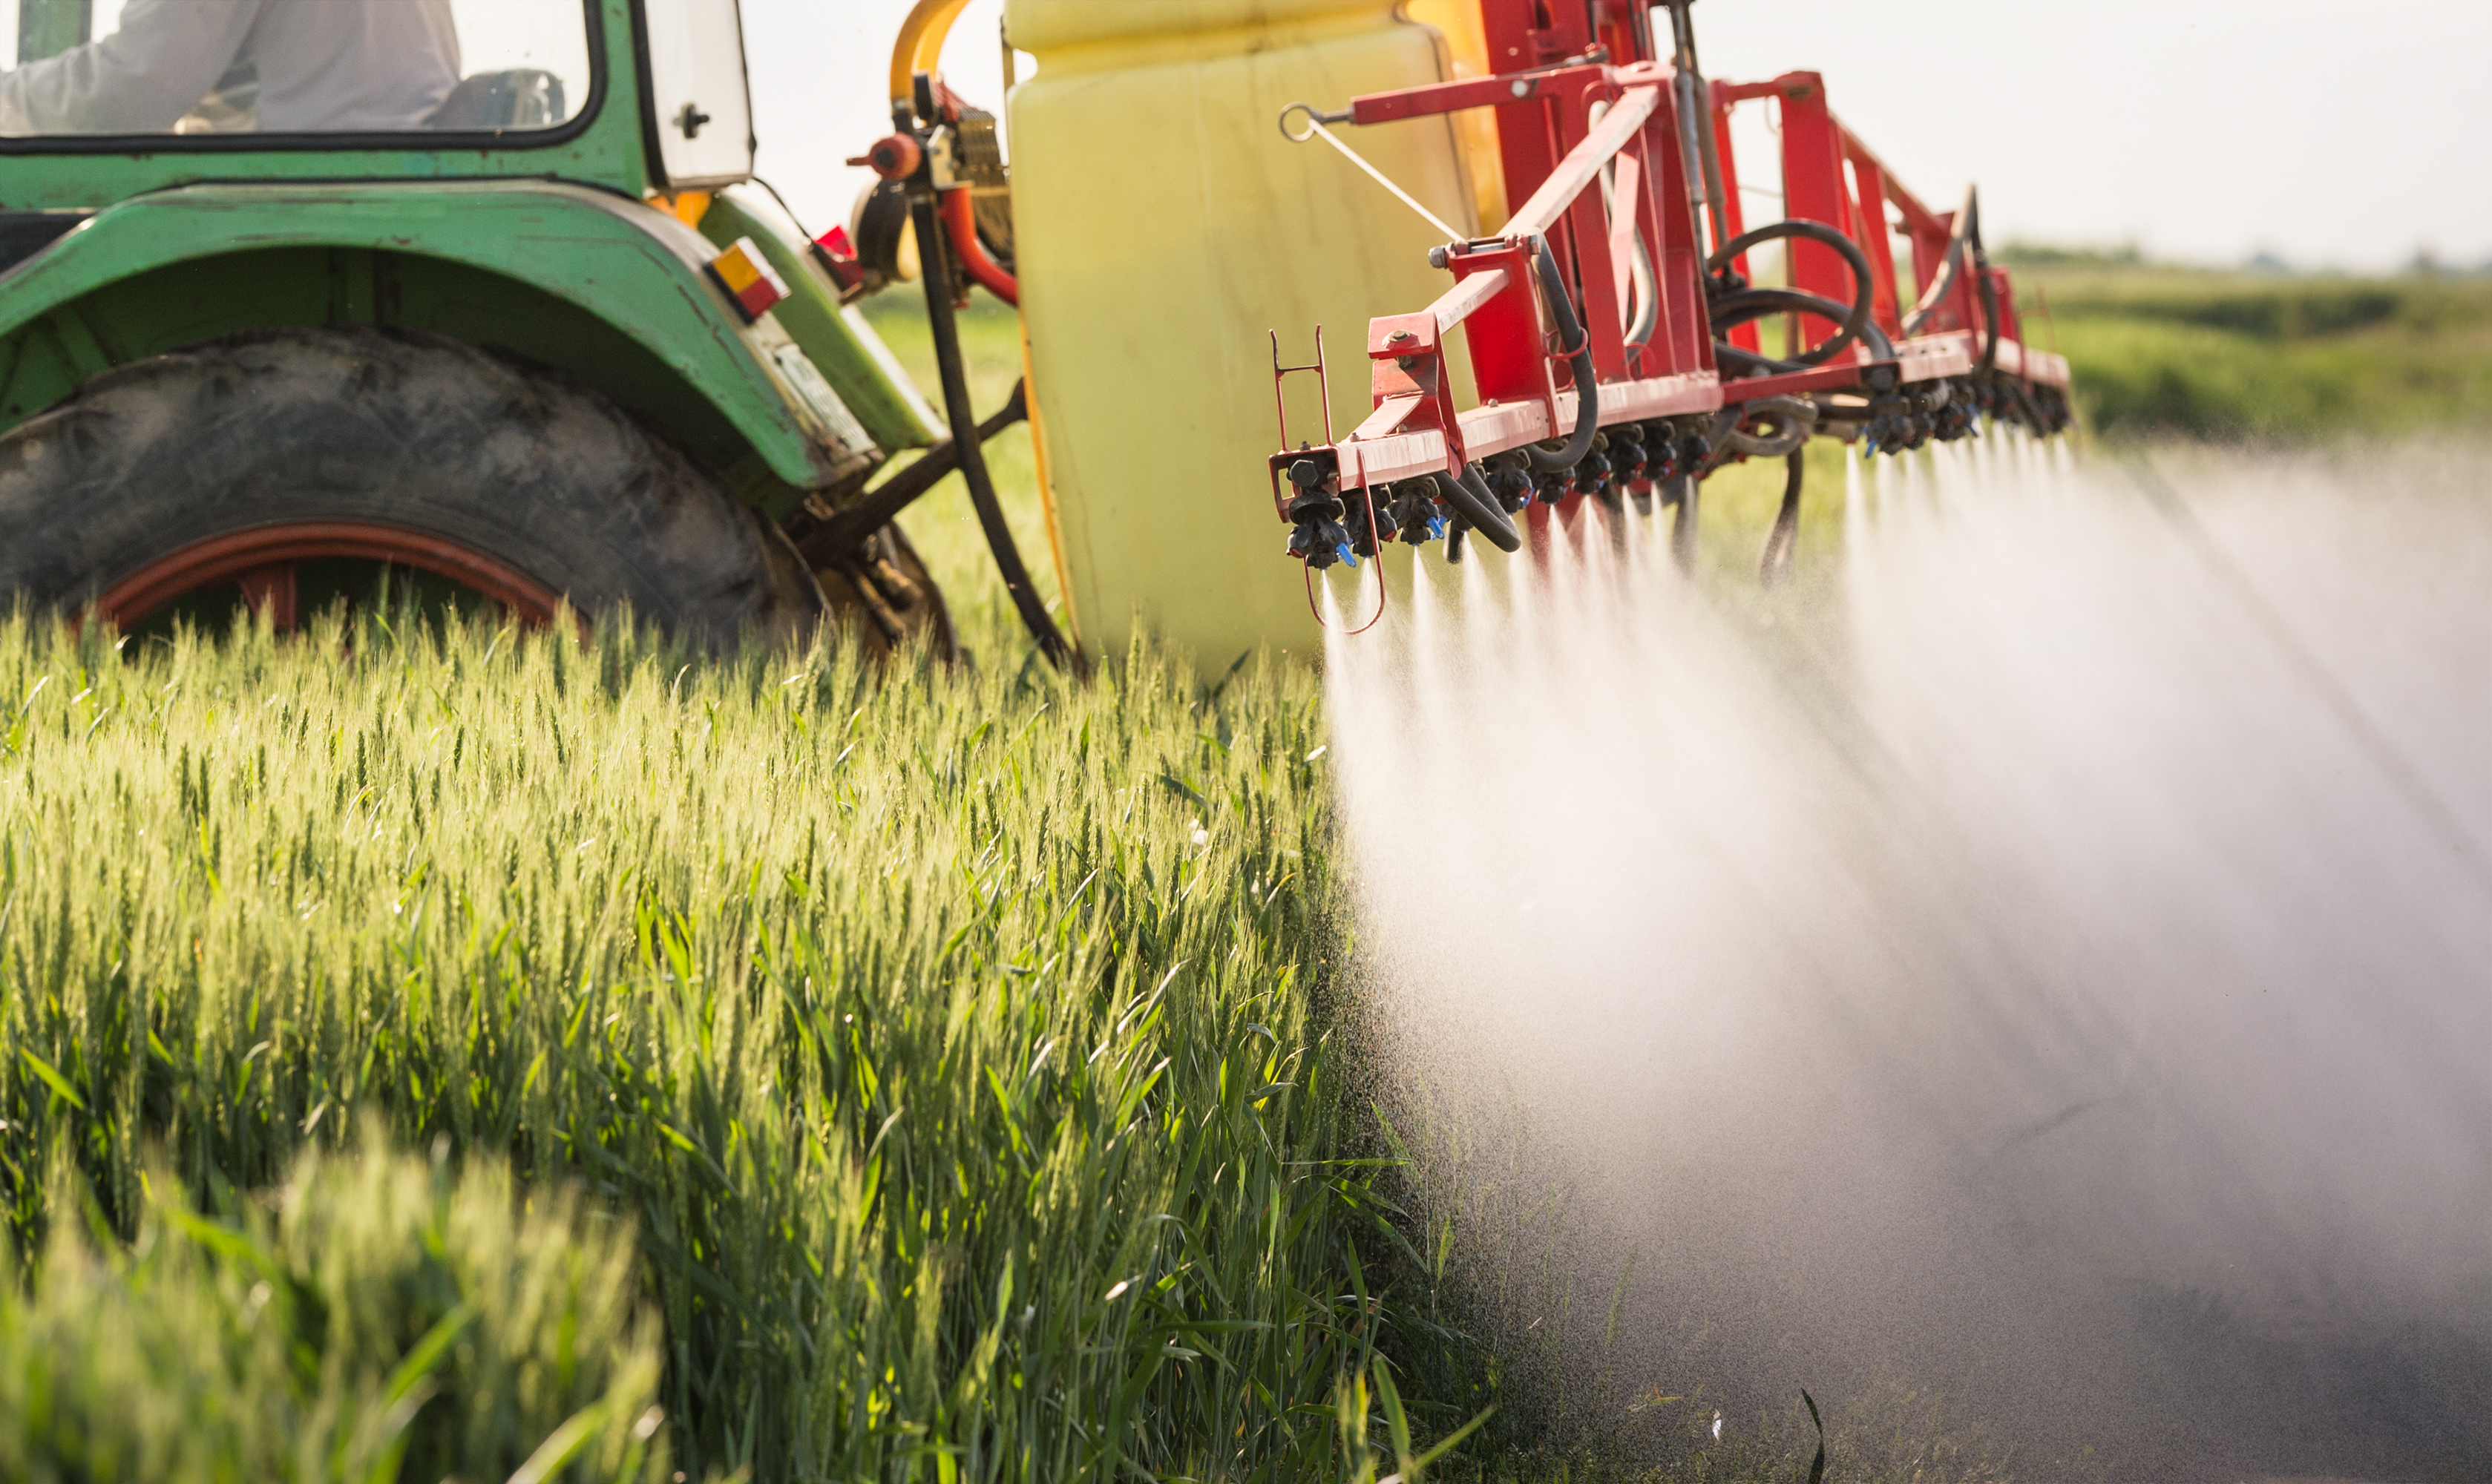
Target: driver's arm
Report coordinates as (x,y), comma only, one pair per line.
(165,57)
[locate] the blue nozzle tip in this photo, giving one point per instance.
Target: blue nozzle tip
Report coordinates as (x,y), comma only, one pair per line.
(1345,553)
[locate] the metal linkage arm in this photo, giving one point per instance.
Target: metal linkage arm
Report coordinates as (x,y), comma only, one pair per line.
(1415,432)
(1584,163)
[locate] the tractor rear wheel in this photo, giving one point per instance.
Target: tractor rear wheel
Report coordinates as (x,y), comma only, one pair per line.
(257,467)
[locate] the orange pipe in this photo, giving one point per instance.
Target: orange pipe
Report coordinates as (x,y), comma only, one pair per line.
(920,46)
(961,226)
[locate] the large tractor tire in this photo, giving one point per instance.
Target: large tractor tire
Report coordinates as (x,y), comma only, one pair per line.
(251,461)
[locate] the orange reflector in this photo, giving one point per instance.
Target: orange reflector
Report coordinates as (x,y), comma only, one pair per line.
(748,279)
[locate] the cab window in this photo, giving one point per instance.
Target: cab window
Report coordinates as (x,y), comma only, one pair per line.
(290,67)
(698,95)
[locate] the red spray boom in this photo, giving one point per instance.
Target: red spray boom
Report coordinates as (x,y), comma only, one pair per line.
(1612,321)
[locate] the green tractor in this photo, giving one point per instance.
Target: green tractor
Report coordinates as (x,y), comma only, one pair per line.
(295,293)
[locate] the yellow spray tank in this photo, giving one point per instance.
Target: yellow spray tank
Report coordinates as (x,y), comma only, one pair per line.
(1162,227)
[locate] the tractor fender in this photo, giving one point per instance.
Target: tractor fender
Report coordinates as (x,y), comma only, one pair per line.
(596,285)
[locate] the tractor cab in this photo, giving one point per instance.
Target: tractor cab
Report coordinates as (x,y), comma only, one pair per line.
(314,76)
(533,213)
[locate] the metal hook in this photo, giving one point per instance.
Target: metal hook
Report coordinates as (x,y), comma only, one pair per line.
(1315,116)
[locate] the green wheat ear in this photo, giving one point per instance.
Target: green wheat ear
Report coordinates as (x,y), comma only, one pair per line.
(950,1087)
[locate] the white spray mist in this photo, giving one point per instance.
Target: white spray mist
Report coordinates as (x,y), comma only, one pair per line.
(2052,961)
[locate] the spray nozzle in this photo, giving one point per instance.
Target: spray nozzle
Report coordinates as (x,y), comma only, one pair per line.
(1627,456)
(1951,411)
(1321,542)
(1889,426)
(1316,535)
(1415,514)
(1661,452)
(1509,481)
(1370,521)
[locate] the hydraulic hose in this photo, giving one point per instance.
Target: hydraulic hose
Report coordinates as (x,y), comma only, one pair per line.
(1469,495)
(1578,347)
(1738,309)
(1740,361)
(823,541)
(1989,303)
(960,220)
(964,440)
(1794,419)
(1784,538)
(1701,159)
(1733,306)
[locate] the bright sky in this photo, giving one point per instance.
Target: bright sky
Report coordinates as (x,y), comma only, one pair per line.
(820,70)
(2338,134)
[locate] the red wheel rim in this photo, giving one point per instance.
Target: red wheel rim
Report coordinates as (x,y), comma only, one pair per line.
(263,561)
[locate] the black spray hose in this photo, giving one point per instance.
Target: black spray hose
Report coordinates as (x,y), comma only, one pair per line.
(1470,496)
(1784,538)
(1989,302)
(1739,362)
(1588,388)
(1791,418)
(965,441)
(1728,307)
(825,542)
(1747,303)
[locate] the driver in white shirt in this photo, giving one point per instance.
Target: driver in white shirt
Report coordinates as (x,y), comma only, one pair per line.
(322,67)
